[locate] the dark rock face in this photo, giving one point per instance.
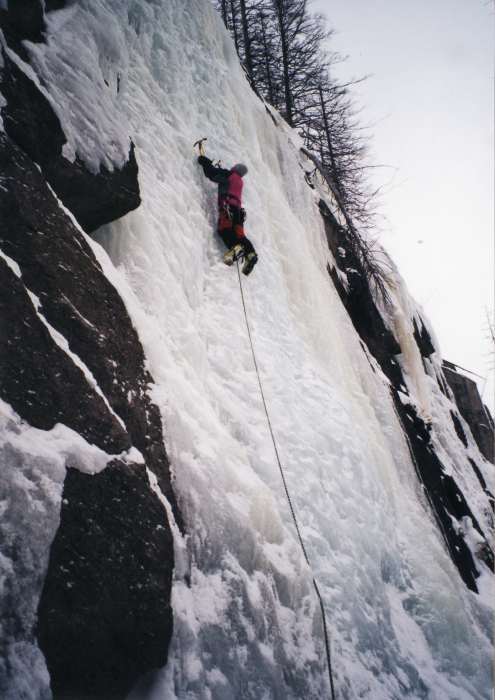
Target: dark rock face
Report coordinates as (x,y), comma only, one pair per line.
(25,19)
(120,615)
(35,374)
(472,410)
(106,599)
(28,114)
(22,20)
(51,5)
(104,618)
(444,495)
(30,121)
(423,340)
(458,429)
(76,299)
(360,305)
(98,199)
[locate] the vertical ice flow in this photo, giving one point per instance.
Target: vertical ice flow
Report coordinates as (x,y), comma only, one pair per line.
(247,624)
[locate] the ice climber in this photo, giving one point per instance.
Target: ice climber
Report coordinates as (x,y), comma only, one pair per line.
(231,215)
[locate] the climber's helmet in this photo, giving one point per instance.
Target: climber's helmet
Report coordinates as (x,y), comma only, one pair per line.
(240,169)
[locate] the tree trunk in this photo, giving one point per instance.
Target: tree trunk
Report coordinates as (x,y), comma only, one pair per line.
(329,140)
(234,26)
(224,13)
(267,62)
(285,63)
(247,41)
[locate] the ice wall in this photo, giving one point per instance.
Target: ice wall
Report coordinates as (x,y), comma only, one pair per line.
(246,620)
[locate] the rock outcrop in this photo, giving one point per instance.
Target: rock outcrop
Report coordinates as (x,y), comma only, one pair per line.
(99,388)
(30,121)
(471,409)
(445,497)
(104,615)
(69,354)
(23,19)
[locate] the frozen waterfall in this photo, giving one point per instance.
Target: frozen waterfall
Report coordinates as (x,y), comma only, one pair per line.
(247,623)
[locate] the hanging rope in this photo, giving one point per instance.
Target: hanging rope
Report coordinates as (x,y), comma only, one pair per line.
(325,631)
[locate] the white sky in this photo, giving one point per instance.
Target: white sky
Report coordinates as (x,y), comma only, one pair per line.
(431,92)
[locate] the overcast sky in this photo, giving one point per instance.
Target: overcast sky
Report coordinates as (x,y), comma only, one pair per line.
(431,94)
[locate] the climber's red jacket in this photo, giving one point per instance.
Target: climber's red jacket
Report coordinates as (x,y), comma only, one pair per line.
(229,182)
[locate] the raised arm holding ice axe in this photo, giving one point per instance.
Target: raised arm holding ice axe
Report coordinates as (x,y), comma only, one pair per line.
(231,215)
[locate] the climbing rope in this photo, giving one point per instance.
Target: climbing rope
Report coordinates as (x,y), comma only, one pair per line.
(325,631)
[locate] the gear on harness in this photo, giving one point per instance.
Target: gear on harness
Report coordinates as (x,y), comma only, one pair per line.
(230,214)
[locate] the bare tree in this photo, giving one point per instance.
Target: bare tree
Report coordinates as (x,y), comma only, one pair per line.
(490,337)
(284,49)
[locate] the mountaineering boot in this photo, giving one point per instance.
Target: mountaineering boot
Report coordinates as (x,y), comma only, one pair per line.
(249,263)
(233,255)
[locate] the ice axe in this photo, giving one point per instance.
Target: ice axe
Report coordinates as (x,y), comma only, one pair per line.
(200,144)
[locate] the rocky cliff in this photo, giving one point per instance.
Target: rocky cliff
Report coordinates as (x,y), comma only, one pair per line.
(70,355)
(471,408)
(444,494)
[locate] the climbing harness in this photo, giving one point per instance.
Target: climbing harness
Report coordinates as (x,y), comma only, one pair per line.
(325,631)
(226,208)
(230,214)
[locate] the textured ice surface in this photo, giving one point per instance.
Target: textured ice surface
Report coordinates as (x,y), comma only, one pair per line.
(246,622)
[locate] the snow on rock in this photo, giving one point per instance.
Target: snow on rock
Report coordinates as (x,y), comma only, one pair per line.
(82,75)
(33,471)
(71,360)
(82,147)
